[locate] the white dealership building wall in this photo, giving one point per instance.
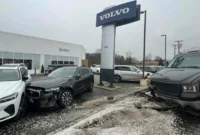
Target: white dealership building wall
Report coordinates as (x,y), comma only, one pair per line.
(35,52)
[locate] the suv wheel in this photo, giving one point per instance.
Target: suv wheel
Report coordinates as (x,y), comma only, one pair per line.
(22,108)
(90,87)
(116,79)
(65,98)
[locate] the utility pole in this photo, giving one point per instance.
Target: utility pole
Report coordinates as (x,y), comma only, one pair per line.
(145,20)
(174,49)
(165,49)
(179,45)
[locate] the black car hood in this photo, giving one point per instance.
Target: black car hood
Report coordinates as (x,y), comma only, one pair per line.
(48,82)
(181,75)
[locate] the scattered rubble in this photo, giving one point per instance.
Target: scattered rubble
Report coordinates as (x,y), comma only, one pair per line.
(122,118)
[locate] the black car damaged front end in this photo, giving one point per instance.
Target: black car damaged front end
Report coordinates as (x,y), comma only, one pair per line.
(41,97)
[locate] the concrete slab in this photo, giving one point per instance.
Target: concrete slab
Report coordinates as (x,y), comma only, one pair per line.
(106,87)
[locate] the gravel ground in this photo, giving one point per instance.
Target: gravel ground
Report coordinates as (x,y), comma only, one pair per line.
(122,118)
(52,120)
(42,121)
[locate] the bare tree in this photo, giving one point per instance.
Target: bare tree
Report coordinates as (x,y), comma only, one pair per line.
(159,60)
(98,50)
(148,57)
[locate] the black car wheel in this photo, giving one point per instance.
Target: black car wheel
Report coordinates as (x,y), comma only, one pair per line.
(116,79)
(90,87)
(65,98)
(22,108)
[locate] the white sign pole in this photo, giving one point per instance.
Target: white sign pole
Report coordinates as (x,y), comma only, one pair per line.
(108,52)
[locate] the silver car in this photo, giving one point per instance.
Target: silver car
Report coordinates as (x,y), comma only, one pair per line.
(127,73)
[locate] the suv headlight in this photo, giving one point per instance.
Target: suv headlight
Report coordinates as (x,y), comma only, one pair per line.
(9,98)
(52,89)
(191,88)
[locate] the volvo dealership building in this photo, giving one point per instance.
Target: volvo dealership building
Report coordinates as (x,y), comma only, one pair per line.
(35,52)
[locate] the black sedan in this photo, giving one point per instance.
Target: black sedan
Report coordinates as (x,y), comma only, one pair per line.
(60,86)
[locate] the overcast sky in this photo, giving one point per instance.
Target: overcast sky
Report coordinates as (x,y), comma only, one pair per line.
(74,21)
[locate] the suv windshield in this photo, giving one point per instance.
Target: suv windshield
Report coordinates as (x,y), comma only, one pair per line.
(185,62)
(63,72)
(9,75)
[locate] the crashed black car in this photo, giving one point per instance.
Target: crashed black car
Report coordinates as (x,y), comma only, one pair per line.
(60,86)
(179,83)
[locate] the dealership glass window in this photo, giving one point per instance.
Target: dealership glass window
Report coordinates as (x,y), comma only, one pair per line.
(60,59)
(71,62)
(7,57)
(18,58)
(76,63)
(66,60)
(54,60)
(1,60)
(47,61)
(28,60)
(71,58)
(36,61)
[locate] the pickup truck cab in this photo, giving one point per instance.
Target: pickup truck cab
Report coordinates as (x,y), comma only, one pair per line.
(180,81)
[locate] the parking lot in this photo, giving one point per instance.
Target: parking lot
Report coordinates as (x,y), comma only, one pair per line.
(43,121)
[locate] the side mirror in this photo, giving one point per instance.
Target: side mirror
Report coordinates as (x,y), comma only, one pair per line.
(138,71)
(24,78)
(77,76)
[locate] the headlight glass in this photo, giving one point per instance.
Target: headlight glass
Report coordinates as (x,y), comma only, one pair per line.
(52,89)
(191,88)
(9,97)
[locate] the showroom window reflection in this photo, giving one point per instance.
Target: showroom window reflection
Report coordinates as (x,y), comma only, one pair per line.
(52,59)
(32,61)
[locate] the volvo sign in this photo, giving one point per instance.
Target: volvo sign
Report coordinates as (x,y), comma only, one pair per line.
(109,19)
(118,14)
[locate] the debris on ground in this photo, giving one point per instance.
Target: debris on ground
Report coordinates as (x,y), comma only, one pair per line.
(123,118)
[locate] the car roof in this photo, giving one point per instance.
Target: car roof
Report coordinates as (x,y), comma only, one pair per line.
(123,66)
(14,64)
(61,65)
(8,67)
(75,67)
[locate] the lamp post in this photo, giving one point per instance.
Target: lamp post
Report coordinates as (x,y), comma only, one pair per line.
(145,20)
(179,45)
(165,48)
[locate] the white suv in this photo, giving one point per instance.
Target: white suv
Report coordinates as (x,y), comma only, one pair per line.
(13,80)
(95,68)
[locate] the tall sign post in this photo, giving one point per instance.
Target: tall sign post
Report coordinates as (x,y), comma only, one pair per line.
(109,19)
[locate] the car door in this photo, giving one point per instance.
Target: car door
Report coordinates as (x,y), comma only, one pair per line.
(80,81)
(124,73)
(87,76)
(136,74)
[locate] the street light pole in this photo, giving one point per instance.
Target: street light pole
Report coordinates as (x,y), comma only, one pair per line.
(165,49)
(174,49)
(179,45)
(145,20)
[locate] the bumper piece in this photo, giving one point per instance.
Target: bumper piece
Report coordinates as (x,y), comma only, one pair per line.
(10,110)
(45,100)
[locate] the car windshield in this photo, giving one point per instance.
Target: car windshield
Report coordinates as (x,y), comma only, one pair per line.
(9,75)
(134,69)
(63,72)
(185,62)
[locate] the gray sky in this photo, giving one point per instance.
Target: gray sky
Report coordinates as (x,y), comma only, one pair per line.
(74,21)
